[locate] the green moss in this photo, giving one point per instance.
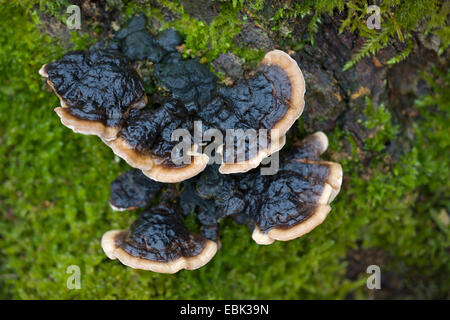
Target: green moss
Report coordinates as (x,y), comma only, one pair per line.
(398,19)
(55,188)
(256,5)
(379,121)
(52,7)
(202,39)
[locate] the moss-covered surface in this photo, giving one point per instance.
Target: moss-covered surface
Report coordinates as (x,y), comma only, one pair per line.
(55,184)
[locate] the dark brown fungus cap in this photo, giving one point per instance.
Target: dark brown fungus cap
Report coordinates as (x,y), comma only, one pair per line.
(132,190)
(294,95)
(158,241)
(145,143)
(162,173)
(102,94)
(277,91)
(96,89)
(315,183)
(272,99)
(283,206)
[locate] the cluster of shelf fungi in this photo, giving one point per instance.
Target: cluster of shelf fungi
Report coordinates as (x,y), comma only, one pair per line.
(102,93)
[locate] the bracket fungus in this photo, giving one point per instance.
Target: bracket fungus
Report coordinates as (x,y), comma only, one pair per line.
(281,207)
(158,241)
(101,93)
(96,88)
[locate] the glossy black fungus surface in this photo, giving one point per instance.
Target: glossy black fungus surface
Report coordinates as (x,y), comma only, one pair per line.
(98,85)
(251,104)
(132,190)
(169,40)
(261,101)
(138,43)
(160,235)
(189,81)
(255,103)
(282,200)
(149,131)
(267,201)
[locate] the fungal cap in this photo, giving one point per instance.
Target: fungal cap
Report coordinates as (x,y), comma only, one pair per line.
(43,73)
(135,159)
(157,171)
(240,167)
(261,238)
(87,127)
(166,174)
(285,234)
(296,103)
(333,184)
(330,190)
(132,190)
(113,252)
(93,126)
(334,180)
